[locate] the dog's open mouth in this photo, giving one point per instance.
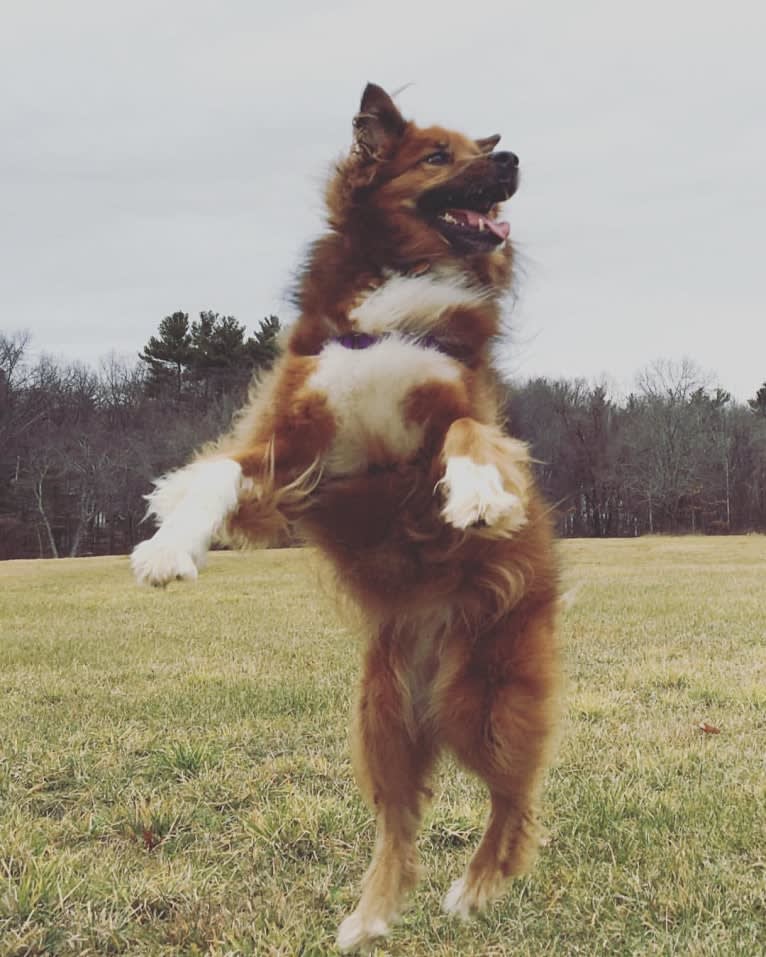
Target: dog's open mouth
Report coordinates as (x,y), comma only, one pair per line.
(467,218)
(470,220)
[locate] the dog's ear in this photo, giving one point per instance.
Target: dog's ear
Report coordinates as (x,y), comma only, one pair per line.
(488,143)
(377,126)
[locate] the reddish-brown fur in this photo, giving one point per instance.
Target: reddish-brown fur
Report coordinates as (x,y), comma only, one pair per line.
(460,625)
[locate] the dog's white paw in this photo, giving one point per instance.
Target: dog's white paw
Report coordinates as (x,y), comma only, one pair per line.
(358,934)
(474,496)
(159,561)
(457,901)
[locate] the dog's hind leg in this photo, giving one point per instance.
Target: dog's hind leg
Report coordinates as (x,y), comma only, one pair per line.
(392,762)
(499,716)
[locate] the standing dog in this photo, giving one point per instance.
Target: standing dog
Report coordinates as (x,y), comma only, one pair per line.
(378,434)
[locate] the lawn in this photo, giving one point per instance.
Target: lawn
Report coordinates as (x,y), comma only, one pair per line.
(174,775)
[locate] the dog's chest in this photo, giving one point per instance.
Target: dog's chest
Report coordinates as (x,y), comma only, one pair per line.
(367,391)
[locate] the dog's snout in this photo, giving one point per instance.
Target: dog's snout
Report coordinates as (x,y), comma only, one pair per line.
(506,159)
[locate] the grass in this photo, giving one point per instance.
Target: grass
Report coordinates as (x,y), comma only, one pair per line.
(174,777)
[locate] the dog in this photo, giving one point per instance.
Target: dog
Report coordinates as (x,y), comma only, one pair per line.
(378,435)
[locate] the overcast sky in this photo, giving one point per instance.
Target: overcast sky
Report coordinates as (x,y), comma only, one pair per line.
(168,155)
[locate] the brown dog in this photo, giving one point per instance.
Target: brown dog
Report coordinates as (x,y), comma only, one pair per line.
(378,434)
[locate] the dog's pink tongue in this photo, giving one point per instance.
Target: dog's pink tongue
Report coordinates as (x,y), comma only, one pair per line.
(500,229)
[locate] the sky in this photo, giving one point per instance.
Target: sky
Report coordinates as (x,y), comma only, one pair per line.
(167,155)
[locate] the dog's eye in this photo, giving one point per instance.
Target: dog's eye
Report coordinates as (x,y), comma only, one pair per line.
(439,158)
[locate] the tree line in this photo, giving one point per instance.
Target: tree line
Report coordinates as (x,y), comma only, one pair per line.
(79,445)
(676,455)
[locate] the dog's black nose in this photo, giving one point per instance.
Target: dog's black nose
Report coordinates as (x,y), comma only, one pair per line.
(505,158)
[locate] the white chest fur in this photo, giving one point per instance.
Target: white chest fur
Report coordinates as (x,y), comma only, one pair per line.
(415,304)
(367,390)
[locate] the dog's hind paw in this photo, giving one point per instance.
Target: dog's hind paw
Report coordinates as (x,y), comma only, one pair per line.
(359,934)
(470,894)
(474,497)
(157,562)
(457,902)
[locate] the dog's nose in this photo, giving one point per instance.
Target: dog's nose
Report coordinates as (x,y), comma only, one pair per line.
(505,158)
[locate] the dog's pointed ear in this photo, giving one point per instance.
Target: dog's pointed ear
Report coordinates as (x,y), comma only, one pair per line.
(488,143)
(378,124)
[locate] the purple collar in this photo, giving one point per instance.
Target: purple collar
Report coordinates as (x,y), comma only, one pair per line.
(363,340)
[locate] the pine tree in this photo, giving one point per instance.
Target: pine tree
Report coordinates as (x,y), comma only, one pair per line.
(209,358)
(758,404)
(168,355)
(220,360)
(263,347)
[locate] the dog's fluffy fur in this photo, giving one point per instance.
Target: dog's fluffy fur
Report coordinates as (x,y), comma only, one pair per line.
(393,460)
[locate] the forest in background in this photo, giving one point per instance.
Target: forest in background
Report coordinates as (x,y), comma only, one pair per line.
(79,445)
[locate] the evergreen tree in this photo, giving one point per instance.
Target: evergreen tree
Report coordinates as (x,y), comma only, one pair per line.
(758,404)
(168,355)
(263,347)
(220,360)
(210,358)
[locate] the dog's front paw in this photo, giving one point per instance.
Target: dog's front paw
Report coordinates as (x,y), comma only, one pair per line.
(474,497)
(159,561)
(359,934)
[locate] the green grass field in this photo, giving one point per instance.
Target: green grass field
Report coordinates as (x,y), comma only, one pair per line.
(174,776)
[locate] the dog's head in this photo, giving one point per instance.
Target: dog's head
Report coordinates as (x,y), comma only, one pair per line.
(412,194)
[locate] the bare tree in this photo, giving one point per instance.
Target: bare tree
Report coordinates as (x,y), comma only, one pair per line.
(669,437)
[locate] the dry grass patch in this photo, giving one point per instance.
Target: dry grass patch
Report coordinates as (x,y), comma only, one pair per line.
(174,776)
